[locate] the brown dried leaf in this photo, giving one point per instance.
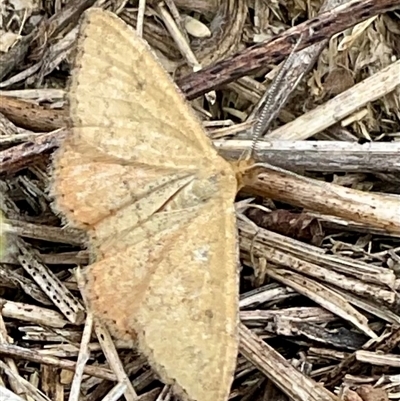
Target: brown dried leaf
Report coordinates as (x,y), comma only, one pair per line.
(299,226)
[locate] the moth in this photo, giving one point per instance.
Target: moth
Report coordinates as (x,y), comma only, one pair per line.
(140,176)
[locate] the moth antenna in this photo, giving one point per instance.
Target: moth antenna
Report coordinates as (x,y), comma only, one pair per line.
(266,110)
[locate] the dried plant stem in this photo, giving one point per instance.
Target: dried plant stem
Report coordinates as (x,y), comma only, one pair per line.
(32,116)
(338,156)
(17,157)
(377,211)
(62,298)
(116,392)
(32,314)
(115,363)
(15,351)
(285,376)
(369,306)
(140,17)
(46,233)
(83,357)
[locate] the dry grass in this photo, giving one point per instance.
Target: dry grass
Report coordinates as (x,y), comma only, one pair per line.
(320,251)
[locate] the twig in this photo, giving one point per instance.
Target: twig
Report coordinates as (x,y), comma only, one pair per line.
(115,363)
(18,157)
(140,17)
(369,306)
(328,156)
(285,376)
(70,13)
(15,351)
(50,284)
(63,235)
(32,116)
(83,357)
(116,392)
(32,314)
(375,210)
